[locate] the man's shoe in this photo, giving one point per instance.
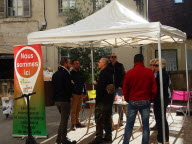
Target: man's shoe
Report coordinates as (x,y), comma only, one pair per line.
(58,142)
(79,125)
(121,123)
(107,141)
(68,141)
(167,142)
(154,128)
(73,127)
(96,141)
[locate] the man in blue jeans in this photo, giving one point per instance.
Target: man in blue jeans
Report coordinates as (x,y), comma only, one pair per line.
(139,89)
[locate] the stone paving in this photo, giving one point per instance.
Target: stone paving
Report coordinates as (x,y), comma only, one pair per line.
(178,134)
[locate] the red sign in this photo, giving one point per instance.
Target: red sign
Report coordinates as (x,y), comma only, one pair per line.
(27,63)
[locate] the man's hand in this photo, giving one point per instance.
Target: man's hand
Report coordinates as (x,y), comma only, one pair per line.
(119,87)
(95,82)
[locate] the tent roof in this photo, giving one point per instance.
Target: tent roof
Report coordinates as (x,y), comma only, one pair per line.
(114,25)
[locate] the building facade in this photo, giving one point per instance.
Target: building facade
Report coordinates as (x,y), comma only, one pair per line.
(178,14)
(18,18)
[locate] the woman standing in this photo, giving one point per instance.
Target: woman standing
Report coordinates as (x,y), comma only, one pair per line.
(157,101)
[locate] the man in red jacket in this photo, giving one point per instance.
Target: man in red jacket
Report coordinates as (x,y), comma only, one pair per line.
(139,89)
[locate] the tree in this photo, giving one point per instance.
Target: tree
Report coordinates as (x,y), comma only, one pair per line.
(73,16)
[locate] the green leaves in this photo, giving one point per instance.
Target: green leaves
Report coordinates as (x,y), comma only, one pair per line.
(73,15)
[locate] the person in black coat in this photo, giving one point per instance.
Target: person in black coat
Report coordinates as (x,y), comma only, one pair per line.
(118,70)
(119,73)
(157,101)
(104,102)
(62,87)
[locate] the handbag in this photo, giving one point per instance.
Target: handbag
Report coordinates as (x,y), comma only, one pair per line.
(110,88)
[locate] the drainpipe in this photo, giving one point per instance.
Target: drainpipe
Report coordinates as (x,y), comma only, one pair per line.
(44,23)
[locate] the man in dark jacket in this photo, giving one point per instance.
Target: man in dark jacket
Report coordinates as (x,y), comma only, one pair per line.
(79,92)
(62,86)
(139,88)
(104,102)
(119,73)
(118,69)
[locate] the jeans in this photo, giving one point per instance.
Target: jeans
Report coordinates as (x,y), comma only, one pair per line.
(143,107)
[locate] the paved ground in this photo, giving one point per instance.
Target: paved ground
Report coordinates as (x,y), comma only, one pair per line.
(178,135)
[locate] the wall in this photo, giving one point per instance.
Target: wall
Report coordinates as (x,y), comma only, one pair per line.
(14,31)
(177,15)
(129,4)
(149,52)
(125,56)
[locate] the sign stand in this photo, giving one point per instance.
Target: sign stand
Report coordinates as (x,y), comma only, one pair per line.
(30,139)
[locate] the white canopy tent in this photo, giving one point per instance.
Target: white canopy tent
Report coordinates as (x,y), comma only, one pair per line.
(114,26)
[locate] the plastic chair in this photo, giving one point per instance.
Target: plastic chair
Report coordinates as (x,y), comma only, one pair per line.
(179,96)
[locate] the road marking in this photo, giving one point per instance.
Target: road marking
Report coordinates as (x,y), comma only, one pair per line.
(48,139)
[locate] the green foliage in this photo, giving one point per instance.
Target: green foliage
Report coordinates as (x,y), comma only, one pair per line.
(73,15)
(83,55)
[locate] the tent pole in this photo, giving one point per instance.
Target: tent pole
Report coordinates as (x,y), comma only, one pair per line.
(161,87)
(147,10)
(92,66)
(115,42)
(187,76)
(68,55)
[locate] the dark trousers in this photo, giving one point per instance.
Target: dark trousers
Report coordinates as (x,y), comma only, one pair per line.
(64,110)
(158,118)
(103,113)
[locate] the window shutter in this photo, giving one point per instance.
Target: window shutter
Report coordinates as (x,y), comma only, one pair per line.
(26,8)
(2,9)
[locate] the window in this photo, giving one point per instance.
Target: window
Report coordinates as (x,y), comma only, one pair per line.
(171,58)
(65,5)
(101,3)
(2,9)
(7,66)
(15,8)
(178,1)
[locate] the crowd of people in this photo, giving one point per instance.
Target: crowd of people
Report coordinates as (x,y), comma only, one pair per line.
(140,87)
